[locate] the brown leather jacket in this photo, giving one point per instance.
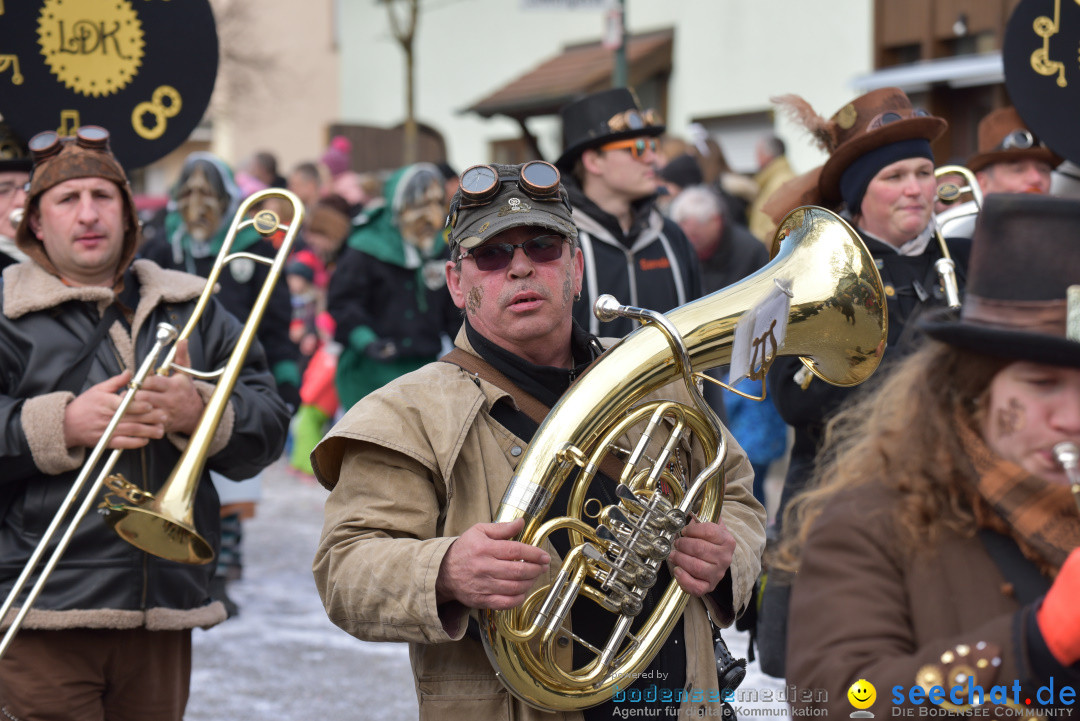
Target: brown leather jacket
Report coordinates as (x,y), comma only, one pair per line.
(865,607)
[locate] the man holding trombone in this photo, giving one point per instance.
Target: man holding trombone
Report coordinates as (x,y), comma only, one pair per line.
(109,635)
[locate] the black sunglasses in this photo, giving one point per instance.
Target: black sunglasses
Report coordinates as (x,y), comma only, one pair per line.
(496,256)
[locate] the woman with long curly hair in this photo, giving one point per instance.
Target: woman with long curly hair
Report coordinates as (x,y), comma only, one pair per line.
(933,553)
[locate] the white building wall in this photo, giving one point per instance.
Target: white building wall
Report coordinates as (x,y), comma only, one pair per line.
(730,57)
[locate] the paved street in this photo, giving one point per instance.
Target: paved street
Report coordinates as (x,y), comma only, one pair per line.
(282,658)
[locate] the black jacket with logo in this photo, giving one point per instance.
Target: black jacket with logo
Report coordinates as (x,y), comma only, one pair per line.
(653,266)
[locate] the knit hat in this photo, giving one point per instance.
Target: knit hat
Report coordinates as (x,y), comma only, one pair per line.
(300,268)
(337,157)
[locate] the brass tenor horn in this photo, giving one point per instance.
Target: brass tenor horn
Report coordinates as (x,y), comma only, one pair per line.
(162,524)
(950,193)
(831,313)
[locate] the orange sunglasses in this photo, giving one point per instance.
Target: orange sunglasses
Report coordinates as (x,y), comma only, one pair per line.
(636,146)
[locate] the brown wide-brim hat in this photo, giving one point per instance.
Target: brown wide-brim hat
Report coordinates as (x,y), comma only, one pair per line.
(993,129)
(600,118)
(868,122)
(1022,300)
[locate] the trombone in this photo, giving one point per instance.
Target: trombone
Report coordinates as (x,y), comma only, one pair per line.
(162,524)
(949,193)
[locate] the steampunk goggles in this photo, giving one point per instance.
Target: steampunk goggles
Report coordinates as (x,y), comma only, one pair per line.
(46,144)
(481,183)
(633,120)
(1018,140)
(883,119)
(496,256)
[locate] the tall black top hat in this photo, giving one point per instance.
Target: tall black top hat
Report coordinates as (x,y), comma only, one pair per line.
(1022,300)
(603,117)
(14,155)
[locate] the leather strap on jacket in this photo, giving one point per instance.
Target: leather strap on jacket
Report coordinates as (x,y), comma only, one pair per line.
(477,366)
(525,402)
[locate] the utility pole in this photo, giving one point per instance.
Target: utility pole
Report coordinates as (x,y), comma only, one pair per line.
(615,39)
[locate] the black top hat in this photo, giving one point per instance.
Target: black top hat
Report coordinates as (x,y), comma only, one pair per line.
(1022,300)
(14,155)
(603,117)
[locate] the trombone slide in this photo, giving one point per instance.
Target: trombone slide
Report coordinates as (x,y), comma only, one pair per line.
(165,335)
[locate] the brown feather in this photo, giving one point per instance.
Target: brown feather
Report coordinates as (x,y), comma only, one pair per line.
(824,132)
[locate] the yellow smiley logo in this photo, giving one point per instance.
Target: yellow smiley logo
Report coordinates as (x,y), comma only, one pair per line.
(862,694)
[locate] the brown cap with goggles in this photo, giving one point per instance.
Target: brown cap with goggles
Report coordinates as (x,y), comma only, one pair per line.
(494,198)
(58,159)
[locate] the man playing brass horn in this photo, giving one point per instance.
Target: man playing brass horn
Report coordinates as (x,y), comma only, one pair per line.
(110,634)
(416,471)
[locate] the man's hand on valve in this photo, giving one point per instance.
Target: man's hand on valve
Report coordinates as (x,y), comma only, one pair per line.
(701,556)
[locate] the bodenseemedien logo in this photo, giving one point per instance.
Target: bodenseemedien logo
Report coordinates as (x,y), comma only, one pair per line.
(862,695)
(95,47)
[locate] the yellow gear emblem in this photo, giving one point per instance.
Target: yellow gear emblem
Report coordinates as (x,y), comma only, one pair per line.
(95,47)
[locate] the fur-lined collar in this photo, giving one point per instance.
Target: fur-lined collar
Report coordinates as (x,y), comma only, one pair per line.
(29,288)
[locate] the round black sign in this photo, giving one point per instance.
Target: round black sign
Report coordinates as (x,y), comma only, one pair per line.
(1042,71)
(143,69)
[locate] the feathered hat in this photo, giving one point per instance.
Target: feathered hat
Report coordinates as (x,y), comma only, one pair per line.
(869,123)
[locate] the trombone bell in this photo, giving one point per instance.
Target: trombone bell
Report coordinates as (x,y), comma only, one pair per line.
(144,522)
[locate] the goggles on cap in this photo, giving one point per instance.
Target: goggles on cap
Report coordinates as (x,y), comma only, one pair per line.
(637,147)
(632,120)
(481,183)
(884,119)
(1018,140)
(48,143)
(496,256)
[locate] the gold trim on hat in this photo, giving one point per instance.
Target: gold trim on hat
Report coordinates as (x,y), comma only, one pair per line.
(845,117)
